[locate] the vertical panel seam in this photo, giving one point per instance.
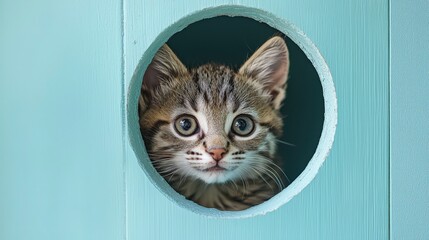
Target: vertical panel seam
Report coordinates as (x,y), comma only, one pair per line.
(389,109)
(123,113)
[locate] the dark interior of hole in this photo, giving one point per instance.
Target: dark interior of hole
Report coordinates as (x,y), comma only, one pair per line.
(230,41)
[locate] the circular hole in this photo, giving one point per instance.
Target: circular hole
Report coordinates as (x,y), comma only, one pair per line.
(309,109)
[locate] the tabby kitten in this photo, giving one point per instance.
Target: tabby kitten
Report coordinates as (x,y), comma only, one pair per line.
(211,132)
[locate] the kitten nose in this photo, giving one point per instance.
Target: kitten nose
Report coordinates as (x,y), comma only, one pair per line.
(217,153)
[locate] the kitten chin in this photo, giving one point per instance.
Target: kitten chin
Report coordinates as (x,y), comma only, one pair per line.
(217,175)
(211,132)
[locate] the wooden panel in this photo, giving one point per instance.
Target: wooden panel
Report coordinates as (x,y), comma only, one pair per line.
(61,174)
(409,120)
(348,199)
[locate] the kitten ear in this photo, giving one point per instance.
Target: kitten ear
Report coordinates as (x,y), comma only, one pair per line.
(164,68)
(269,66)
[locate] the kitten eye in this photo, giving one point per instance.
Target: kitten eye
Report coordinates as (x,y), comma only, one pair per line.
(186,125)
(243,125)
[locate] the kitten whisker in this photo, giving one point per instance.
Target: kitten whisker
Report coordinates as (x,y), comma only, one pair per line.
(167,170)
(273,176)
(184,177)
(285,143)
(173,173)
(244,184)
(233,182)
(269,161)
(257,172)
(268,169)
(279,168)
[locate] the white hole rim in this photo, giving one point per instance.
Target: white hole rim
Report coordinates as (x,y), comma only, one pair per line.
(329,125)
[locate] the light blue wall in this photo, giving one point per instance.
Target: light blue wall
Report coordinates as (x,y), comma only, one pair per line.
(67,170)
(410,119)
(61,169)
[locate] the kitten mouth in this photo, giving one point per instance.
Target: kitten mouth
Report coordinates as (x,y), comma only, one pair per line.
(215,169)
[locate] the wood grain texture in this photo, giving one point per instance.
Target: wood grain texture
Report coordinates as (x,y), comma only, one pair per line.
(409,119)
(348,199)
(61,174)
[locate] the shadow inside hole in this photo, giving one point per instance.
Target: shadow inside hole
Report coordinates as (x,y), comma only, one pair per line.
(230,41)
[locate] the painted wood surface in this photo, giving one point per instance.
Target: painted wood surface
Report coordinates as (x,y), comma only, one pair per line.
(67,170)
(349,197)
(61,143)
(409,120)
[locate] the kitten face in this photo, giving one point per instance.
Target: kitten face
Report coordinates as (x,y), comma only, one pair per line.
(212,123)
